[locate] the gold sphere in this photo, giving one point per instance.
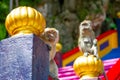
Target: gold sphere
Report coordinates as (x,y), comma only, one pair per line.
(118,14)
(88,67)
(25,20)
(58,47)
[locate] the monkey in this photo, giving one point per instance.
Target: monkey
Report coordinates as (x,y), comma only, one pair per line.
(95,48)
(87,42)
(51,36)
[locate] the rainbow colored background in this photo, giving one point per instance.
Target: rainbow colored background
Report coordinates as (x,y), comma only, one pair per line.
(106,42)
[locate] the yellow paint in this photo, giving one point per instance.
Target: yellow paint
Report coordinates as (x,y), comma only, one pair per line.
(71,58)
(113,43)
(104,51)
(114,40)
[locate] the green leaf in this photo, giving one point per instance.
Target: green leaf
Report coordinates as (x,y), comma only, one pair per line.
(3,32)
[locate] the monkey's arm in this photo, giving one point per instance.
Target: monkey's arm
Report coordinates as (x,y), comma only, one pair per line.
(52,52)
(53,70)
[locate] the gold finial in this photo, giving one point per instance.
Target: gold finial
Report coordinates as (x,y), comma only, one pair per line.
(58,47)
(88,67)
(25,20)
(118,14)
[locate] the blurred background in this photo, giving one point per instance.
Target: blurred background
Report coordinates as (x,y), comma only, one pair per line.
(66,15)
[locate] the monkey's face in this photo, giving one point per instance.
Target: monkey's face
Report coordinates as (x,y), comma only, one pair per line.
(87,24)
(51,34)
(85,27)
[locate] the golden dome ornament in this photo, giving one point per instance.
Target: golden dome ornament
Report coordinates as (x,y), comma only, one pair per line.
(25,20)
(58,47)
(118,14)
(88,67)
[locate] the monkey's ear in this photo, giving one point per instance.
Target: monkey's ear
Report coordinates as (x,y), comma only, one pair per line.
(42,36)
(57,39)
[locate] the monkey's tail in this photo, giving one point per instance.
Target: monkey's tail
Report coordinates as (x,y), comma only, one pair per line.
(105,76)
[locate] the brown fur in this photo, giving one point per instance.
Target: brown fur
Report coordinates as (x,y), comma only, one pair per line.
(51,36)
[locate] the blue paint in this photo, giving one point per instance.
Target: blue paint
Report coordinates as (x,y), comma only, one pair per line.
(118,29)
(70,64)
(115,53)
(104,45)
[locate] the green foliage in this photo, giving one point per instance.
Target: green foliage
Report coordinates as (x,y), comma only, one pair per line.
(111,10)
(4,9)
(82,13)
(26,3)
(89,7)
(31,3)
(3,32)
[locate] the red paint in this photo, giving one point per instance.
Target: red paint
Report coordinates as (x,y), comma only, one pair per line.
(106,34)
(70,53)
(114,72)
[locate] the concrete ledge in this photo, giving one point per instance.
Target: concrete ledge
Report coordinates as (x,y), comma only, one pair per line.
(24,57)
